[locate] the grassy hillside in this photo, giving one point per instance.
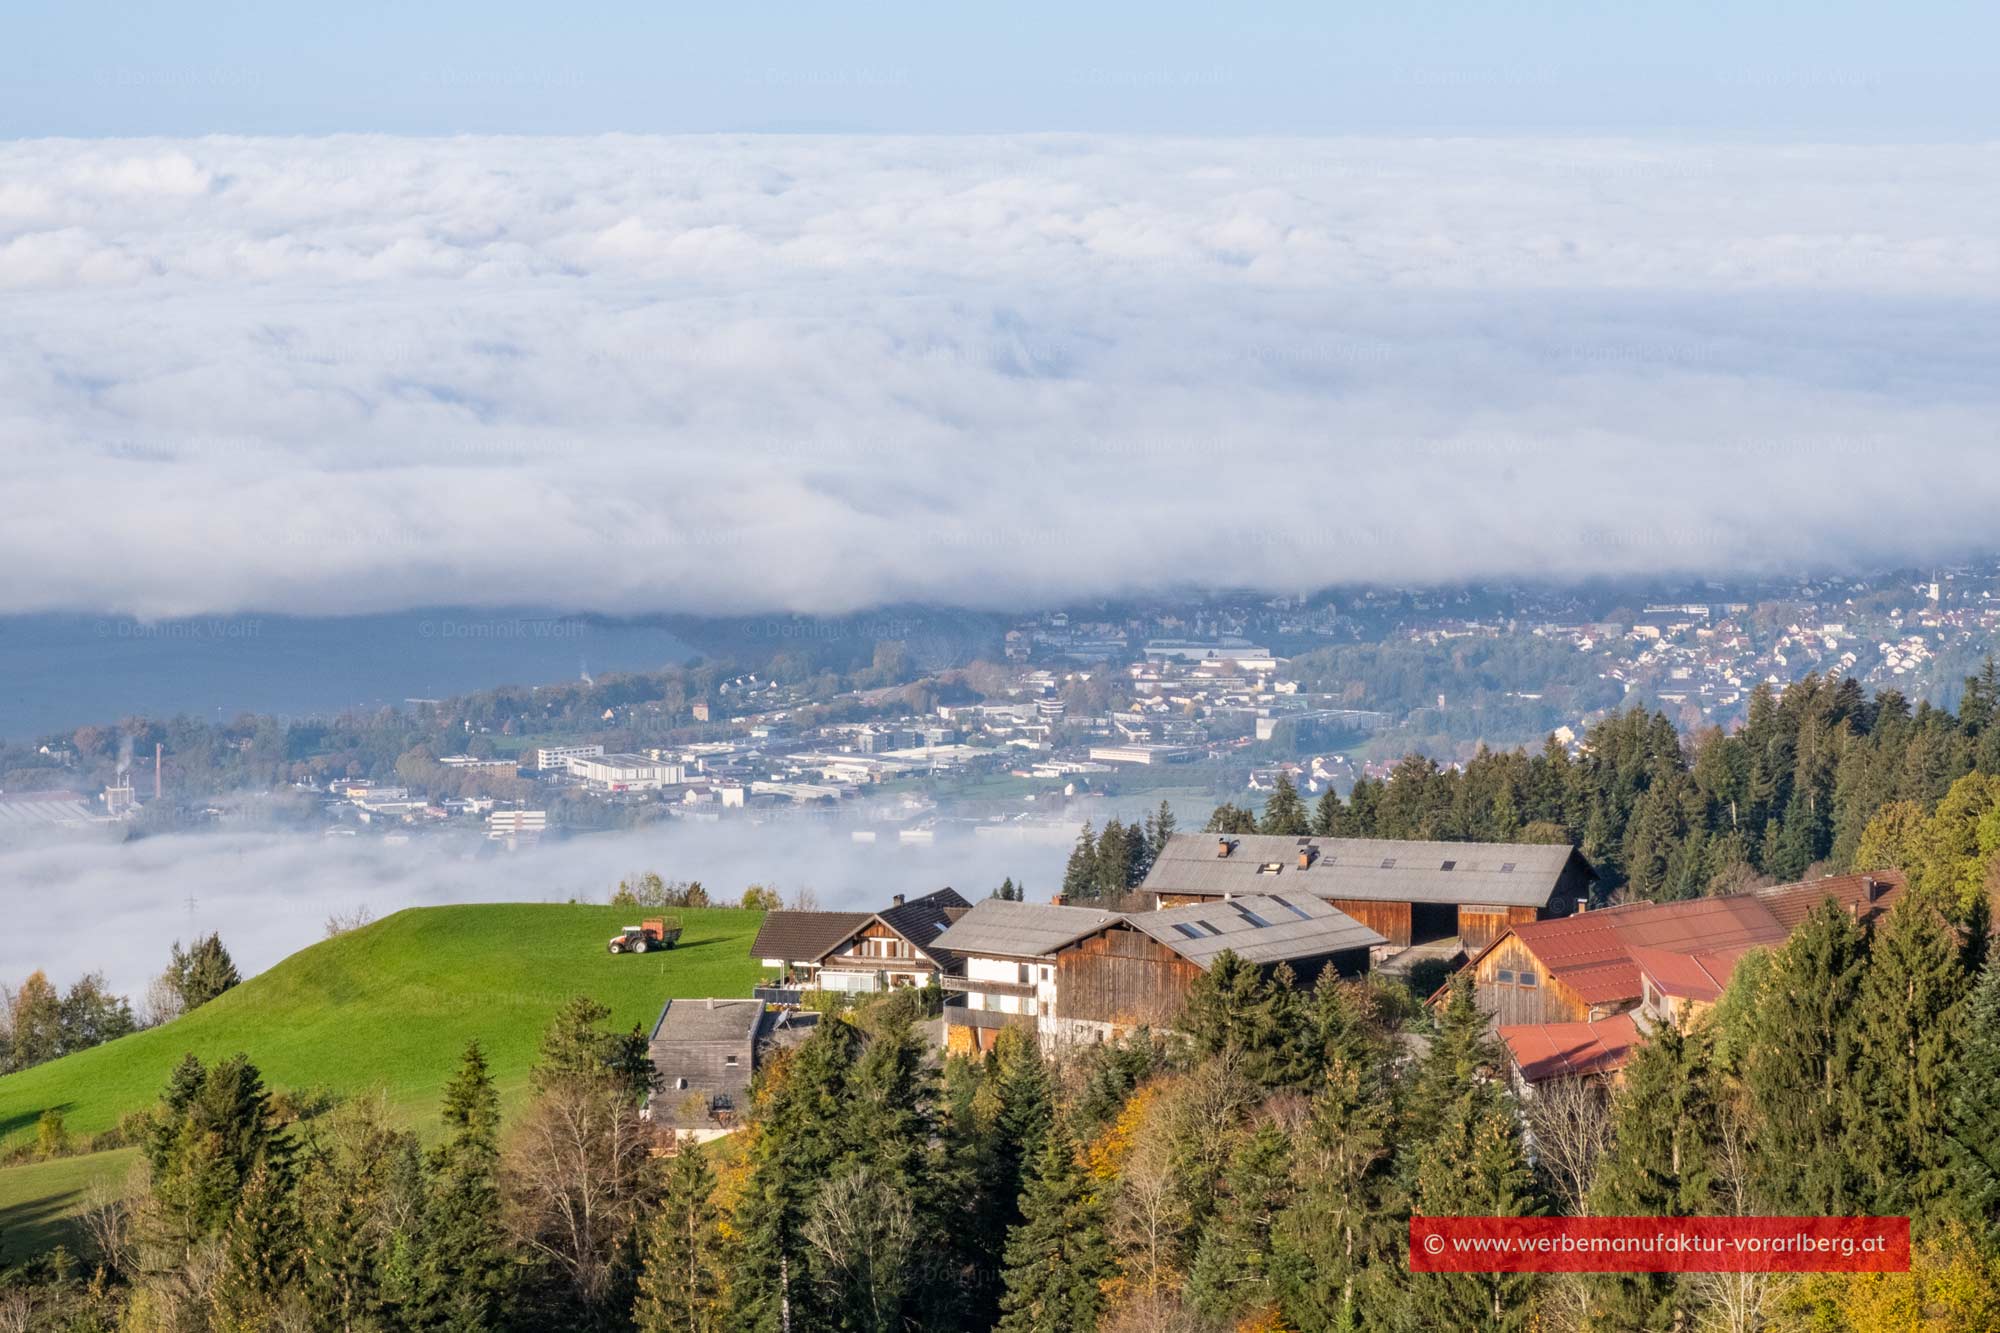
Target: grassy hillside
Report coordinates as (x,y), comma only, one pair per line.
(391,1005)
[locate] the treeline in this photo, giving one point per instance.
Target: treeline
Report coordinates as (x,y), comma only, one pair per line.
(38,1023)
(1104,866)
(1256,1170)
(1663,816)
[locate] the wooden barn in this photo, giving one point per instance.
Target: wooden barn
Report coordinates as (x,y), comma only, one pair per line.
(1411,893)
(1136,970)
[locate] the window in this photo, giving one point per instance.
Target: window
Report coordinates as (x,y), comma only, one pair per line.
(1290,906)
(1252,917)
(1447,865)
(1506,976)
(1187,930)
(1270,867)
(1388,862)
(1528,979)
(1506,867)
(1208,927)
(729,1062)
(680,1085)
(1023,974)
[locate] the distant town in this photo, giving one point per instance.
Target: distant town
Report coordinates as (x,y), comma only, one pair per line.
(913,728)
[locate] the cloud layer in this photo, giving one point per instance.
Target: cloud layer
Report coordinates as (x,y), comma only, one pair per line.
(816,374)
(271,894)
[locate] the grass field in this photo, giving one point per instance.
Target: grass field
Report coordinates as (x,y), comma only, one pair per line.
(388,1007)
(40,1203)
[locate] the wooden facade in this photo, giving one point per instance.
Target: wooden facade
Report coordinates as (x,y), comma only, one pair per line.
(1512,984)
(1392,921)
(1122,978)
(1479,926)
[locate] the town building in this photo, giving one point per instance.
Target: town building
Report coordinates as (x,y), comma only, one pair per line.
(627,772)
(1411,893)
(555,758)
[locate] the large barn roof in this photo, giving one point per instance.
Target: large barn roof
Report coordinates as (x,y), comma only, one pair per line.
(1266,928)
(1375,869)
(1001,928)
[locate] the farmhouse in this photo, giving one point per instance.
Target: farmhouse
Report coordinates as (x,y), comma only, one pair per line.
(1575,995)
(1006,952)
(1411,893)
(1135,971)
(862,951)
(704,1054)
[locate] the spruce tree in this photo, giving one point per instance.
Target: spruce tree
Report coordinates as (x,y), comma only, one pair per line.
(1025,1098)
(462,1265)
(1079,883)
(1665,1128)
(1284,812)
(1237,1006)
(1233,1260)
(1802,1066)
(1331,1240)
(681,1289)
(1972,1121)
(1910,1021)
(1473,1166)
(1058,1259)
(262,1253)
(1329,818)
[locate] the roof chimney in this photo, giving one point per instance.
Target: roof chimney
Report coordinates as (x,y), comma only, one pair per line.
(1874,886)
(1222,846)
(1306,855)
(1583,904)
(1056,901)
(896,901)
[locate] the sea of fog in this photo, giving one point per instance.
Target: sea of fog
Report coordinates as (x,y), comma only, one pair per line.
(59,671)
(76,904)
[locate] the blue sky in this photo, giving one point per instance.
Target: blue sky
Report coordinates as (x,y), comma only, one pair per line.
(1828,70)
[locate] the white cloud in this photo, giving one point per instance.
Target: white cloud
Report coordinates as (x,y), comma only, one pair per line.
(739,373)
(271,894)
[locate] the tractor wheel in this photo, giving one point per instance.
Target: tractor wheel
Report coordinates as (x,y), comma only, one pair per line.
(616,946)
(640,946)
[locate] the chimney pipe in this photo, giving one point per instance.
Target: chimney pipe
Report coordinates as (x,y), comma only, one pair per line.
(1306,855)
(897,900)
(1222,846)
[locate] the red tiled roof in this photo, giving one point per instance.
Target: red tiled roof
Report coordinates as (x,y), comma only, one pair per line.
(1544,1051)
(1867,895)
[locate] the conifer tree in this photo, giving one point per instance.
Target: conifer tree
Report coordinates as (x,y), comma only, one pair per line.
(681,1289)
(1232,1267)
(1801,1069)
(1972,1141)
(1058,1259)
(1237,1006)
(1079,883)
(1329,1240)
(1910,1024)
(1460,1059)
(1284,812)
(1026,1109)
(261,1254)
(1664,1130)
(1472,1167)
(1329,818)
(804,1130)
(462,1266)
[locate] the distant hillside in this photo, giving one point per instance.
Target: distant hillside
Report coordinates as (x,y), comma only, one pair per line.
(391,1006)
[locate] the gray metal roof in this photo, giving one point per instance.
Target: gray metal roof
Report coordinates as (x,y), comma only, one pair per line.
(1373,869)
(996,927)
(709,1020)
(1259,928)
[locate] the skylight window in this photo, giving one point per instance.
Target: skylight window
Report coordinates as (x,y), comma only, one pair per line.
(1506,867)
(1448,865)
(1187,930)
(1252,917)
(1209,927)
(1388,862)
(1291,907)
(1270,867)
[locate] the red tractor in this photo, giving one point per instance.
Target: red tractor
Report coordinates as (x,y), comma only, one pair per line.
(658,933)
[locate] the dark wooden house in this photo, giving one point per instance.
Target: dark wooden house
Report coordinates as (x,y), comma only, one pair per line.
(1136,971)
(1408,892)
